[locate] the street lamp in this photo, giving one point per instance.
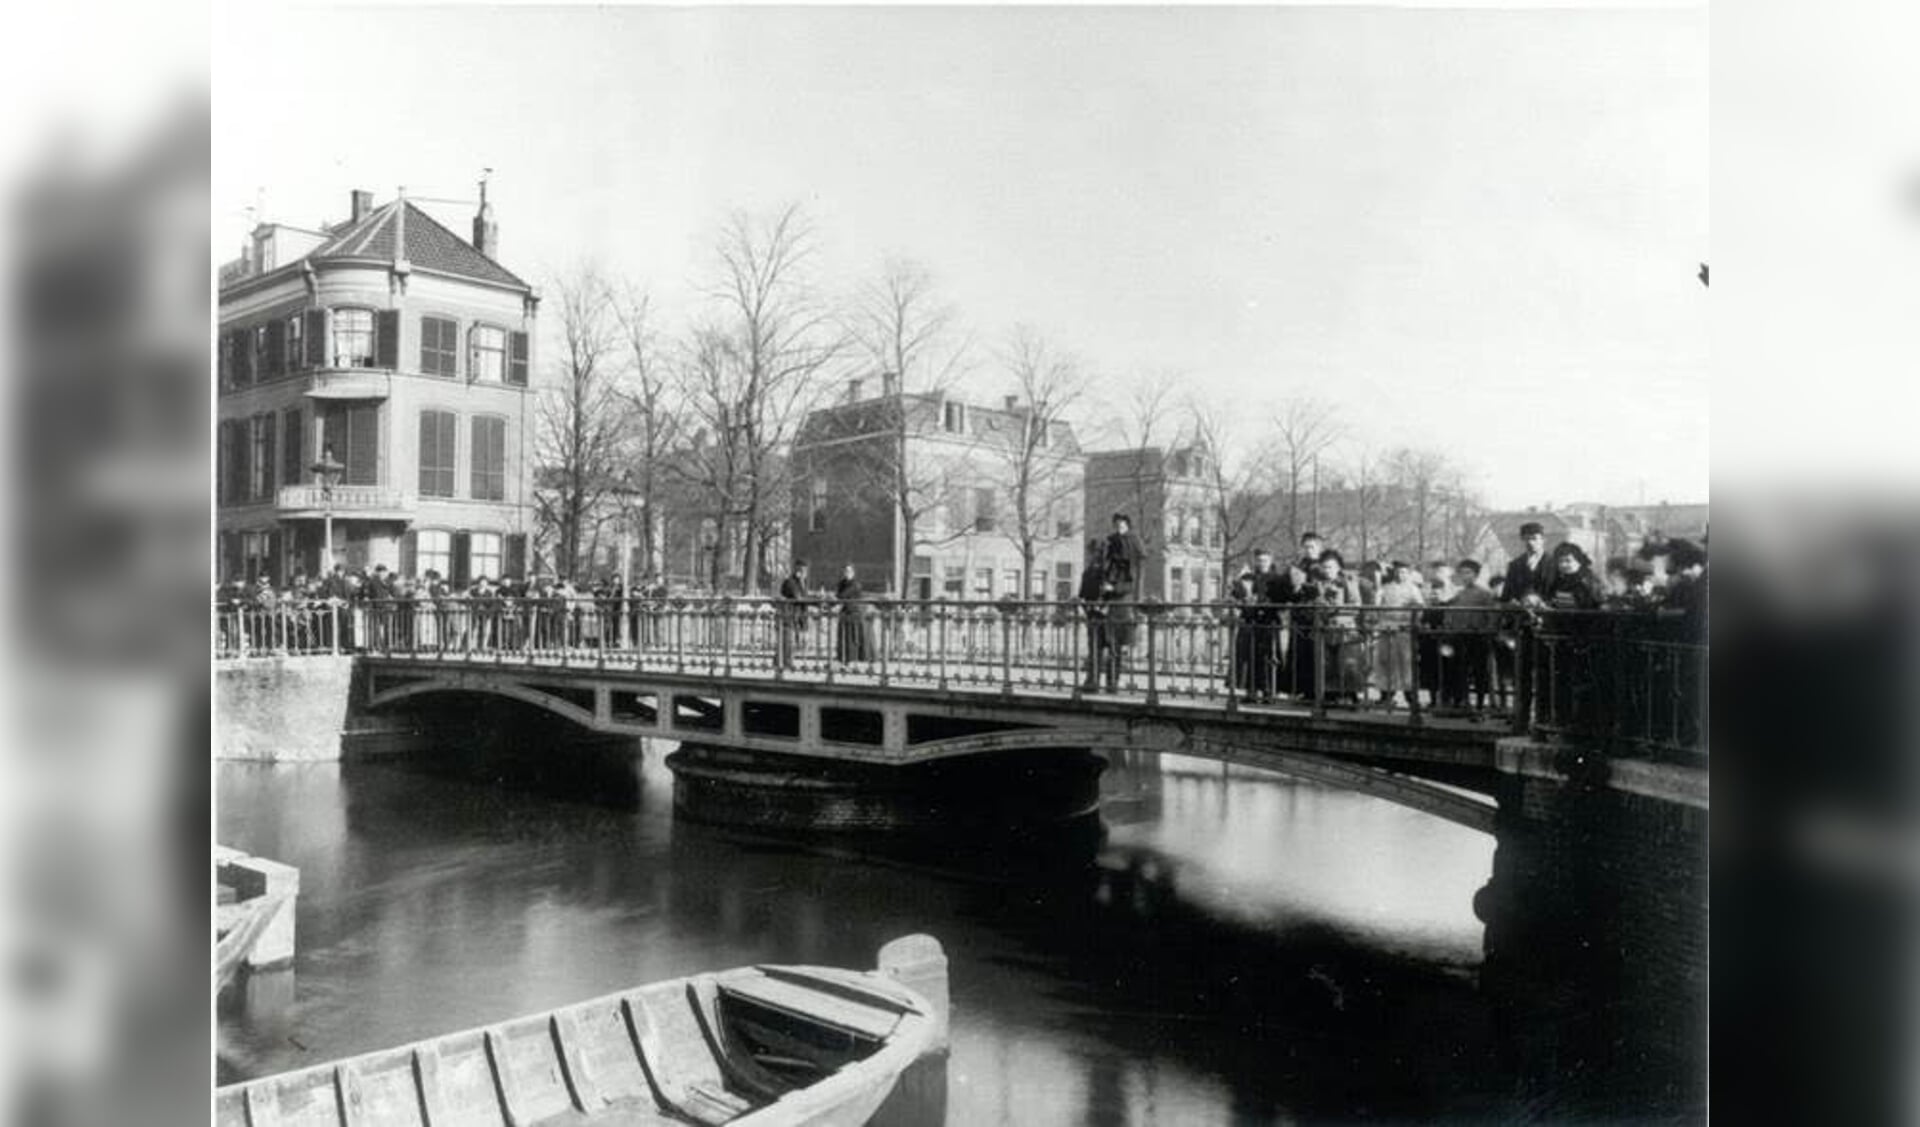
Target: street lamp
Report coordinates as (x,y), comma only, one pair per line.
(327,471)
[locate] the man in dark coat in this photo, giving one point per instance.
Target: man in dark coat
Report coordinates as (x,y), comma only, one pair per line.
(1256,649)
(793,613)
(1124,561)
(1528,574)
(1093,581)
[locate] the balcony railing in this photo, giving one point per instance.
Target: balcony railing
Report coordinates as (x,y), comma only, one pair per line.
(346,499)
(350,383)
(1627,682)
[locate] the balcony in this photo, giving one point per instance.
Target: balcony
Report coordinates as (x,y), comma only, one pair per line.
(379,502)
(349,383)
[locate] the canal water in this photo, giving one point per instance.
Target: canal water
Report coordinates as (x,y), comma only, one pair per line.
(1234,948)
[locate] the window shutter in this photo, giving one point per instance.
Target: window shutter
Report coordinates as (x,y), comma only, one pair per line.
(515,563)
(274,553)
(243,357)
(224,343)
(517,359)
(293,458)
(429,452)
(276,347)
(363,446)
(462,558)
(316,338)
(386,339)
(269,464)
(223,463)
(409,553)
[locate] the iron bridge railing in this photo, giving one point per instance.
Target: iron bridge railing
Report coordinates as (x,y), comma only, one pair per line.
(1634,682)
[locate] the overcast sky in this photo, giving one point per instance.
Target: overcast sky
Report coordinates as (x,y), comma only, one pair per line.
(1475,231)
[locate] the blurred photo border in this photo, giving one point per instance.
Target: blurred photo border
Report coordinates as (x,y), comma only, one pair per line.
(104,783)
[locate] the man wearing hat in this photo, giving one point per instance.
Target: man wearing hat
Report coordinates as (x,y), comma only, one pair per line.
(1529,574)
(1123,562)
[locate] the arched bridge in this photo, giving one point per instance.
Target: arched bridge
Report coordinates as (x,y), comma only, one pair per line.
(1410,704)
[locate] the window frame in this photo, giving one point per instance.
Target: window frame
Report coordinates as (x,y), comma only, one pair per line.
(475,555)
(476,372)
(293,342)
(337,331)
(423,556)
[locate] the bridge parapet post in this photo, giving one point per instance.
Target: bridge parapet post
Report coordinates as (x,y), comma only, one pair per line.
(1153,664)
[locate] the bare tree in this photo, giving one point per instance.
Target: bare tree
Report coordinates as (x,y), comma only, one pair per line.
(751,374)
(654,421)
(1038,462)
(1239,472)
(1304,430)
(1416,475)
(1146,428)
(913,338)
(580,421)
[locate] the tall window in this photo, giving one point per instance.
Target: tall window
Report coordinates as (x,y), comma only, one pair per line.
(437,442)
(256,552)
(983,515)
(353,434)
(817,513)
(353,338)
(489,458)
(954,584)
(1010,582)
(983,583)
(489,361)
(260,464)
(293,346)
(1177,584)
(433,551)
(293,446)
(484,550)
(439,346)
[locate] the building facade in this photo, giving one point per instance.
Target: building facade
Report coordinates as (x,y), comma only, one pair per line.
(968,472)
(394,348)
(1169,495)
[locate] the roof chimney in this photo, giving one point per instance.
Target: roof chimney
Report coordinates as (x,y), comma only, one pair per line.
(486,233)
(853,389)
(888,382)
(362,204)
(1013,402)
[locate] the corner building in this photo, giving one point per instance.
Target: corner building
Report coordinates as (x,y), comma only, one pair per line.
(404,352)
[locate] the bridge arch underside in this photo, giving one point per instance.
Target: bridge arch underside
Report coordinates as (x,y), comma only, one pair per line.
(1448,773)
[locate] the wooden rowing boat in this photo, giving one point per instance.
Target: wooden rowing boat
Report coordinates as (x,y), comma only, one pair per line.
(756,1045)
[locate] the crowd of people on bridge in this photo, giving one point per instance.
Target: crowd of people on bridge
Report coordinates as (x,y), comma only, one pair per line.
(1389,632)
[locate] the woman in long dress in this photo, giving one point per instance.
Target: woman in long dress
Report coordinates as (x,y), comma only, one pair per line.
(1393,641)
(852,639)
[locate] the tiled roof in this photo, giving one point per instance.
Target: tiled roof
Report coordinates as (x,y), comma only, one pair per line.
(429,245)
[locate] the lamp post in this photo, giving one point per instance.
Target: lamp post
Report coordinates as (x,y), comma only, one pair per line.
(327,471)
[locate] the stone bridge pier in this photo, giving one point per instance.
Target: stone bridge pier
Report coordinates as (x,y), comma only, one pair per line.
(1596,929)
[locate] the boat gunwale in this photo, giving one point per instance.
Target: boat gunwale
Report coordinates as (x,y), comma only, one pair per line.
(907,1042)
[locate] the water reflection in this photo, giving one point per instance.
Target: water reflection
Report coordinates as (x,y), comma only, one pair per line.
(1239,949)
